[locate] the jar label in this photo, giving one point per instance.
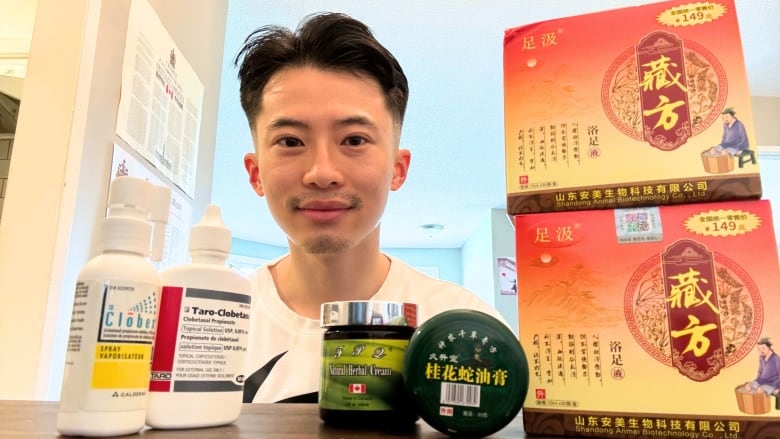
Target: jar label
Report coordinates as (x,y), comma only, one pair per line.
(362,374)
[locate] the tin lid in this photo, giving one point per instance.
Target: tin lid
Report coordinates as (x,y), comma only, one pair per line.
(368,312)
(466,373)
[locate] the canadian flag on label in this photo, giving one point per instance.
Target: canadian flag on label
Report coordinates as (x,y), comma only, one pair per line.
(357,388)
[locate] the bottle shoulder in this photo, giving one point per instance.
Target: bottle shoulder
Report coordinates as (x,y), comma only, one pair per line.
(208,276)
(120,266)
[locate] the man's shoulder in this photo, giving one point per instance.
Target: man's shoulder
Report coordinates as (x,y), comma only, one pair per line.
(434,295)
(412,276)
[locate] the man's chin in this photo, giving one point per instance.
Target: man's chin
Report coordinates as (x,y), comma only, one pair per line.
(325,245)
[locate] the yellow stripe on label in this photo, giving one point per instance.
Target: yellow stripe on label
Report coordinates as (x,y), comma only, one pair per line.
(121,366)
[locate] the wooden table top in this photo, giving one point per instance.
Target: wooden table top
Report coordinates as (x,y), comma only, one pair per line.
(37,419)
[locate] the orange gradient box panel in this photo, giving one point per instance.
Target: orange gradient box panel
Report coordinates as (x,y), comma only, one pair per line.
(649,321)
(625,108)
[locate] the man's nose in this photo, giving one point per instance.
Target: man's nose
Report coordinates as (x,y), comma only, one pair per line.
(324,169)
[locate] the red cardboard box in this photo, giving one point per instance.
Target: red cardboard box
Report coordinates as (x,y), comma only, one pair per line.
(622,108)
(645,322)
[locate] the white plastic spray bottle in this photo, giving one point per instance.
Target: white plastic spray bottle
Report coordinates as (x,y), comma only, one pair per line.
(200,349)
(106,378)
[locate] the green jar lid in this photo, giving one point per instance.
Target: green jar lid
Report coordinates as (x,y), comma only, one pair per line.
(466,373)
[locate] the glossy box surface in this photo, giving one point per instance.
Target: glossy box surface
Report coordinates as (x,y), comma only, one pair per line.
(620,108)
(644,322)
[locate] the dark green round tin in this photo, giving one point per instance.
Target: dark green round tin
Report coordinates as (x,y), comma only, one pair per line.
(466,373)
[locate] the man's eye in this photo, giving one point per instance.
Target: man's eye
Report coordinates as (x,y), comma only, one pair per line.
(290,142)
(354,141)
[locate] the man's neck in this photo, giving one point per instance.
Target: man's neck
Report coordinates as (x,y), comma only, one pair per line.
(305,281)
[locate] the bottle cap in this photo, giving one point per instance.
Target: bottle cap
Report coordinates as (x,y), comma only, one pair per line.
(368,312)
(466,373)
(129,196)
(210,233)
(126,226)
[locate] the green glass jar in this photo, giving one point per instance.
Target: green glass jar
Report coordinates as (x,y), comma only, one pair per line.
(363,351)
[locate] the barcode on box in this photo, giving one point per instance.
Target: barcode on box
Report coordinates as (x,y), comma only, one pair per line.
(460,394)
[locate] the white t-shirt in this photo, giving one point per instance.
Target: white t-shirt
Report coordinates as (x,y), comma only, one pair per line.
(284,355)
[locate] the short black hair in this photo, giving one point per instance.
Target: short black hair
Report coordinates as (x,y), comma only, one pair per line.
(330,41)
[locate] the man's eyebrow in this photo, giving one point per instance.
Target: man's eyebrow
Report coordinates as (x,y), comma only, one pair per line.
(356,120)
(284,122)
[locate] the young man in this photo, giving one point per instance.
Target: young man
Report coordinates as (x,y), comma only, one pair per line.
(325,106)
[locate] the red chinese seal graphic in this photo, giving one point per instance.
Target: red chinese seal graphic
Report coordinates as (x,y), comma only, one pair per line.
(693,309)
(664,90)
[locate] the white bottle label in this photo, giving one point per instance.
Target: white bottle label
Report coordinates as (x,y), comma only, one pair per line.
(110,346)
(201,341)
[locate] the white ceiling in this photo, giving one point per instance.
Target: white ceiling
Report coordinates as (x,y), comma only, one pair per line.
(451,51)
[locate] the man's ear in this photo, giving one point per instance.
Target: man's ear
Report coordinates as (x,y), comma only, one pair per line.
(400,168)
(250,163)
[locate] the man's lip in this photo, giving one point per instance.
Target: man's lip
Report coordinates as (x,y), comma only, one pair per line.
(324,212)
(324,205)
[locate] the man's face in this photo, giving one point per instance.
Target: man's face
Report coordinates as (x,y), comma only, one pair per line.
(763,350)
(728,118)
(326,156)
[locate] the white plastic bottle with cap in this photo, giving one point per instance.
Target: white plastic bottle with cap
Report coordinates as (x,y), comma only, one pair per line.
(200,349)
(106,377)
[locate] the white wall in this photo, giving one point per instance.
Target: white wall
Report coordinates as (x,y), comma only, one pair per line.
(476,264)
(766,115)
(59,174)
(492,239)
(503,241)
(33,213)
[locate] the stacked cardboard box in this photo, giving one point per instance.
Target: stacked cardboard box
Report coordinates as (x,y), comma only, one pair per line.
(647,266)
(621,108)
(644,322)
